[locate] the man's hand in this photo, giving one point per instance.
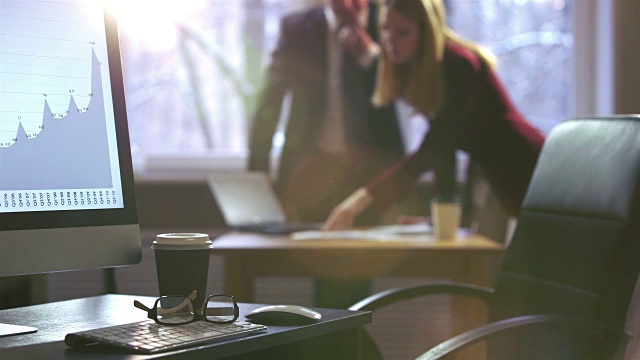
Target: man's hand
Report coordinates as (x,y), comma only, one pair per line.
(355,39)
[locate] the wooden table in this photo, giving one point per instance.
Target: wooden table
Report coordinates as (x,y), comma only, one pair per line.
(465,259)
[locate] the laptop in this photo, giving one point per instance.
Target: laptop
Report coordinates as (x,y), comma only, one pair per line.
(248,202)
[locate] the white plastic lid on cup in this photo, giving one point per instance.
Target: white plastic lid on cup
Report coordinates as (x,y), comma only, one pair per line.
(182,241)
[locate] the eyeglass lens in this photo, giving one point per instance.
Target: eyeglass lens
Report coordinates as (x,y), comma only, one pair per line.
(220,308)
(174,310)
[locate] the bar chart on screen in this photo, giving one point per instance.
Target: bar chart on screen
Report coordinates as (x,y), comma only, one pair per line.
(53,112)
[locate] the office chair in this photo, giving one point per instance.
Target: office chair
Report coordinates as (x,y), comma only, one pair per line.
(568,276)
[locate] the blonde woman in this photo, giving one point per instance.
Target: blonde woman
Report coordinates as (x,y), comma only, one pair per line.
(451,81)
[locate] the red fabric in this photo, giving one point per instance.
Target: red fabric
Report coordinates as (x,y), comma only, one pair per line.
(478,117)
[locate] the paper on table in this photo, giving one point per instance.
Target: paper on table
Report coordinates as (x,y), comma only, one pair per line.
(420,228)
(378,233)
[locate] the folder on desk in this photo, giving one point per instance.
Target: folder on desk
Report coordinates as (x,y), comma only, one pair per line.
(248,202)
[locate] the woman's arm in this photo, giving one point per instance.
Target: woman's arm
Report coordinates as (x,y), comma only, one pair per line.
(344,215)
(437,150)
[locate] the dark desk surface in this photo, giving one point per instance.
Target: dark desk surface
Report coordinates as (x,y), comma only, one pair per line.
(55,320)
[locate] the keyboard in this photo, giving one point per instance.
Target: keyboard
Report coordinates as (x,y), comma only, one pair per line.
(278,228)
(147,337)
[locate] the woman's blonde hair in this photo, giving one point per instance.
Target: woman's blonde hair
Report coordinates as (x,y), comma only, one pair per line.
(421,82)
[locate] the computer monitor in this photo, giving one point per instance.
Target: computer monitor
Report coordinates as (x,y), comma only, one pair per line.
(67,198)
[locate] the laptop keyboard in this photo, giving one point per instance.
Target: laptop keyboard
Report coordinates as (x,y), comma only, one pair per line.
(148,337)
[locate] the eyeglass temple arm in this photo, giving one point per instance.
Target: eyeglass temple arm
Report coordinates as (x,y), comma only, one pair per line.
(140,306)
(182,305)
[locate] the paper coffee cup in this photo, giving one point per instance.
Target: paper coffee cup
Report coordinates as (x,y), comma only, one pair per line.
(182,264)
(445,218)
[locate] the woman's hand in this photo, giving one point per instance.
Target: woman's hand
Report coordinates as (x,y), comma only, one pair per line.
(343,215)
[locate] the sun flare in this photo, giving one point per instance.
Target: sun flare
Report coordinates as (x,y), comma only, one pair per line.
(152,23)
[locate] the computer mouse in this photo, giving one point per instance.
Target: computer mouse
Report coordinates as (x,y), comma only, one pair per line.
(283,315)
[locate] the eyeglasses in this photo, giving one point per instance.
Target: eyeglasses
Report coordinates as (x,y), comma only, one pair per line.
(179,310)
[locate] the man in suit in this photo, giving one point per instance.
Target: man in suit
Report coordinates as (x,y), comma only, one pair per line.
(334,139)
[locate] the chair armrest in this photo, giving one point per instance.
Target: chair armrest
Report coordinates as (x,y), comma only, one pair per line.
(531,323)
(387,297)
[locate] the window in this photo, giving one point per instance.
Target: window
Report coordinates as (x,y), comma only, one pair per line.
(193,68)
(534,45)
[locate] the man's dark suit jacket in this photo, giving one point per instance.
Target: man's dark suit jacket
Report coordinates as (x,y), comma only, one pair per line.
(299,66)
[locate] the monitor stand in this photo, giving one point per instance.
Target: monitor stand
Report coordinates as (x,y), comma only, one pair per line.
(9,330)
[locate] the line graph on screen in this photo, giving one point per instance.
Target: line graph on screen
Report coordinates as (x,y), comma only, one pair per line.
(55,130)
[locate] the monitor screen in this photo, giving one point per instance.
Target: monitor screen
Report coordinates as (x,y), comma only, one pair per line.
(66,181)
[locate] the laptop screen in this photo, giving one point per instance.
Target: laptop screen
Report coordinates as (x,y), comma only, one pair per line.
(246,198)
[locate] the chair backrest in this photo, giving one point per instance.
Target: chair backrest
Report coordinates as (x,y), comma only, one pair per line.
(576,250)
